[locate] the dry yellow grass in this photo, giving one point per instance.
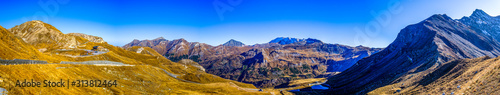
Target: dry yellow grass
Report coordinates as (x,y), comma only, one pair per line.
(139,79)
(13,47)
(148,76)
(467,76)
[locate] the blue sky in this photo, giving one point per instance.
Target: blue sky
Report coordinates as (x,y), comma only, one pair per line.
(373,23)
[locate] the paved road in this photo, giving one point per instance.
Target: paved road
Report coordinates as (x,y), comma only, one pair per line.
(94,53)
(98,63)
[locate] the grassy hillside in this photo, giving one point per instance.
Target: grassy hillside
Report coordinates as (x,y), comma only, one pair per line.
(13,47)
(149,73)
(466,76)
(139,79)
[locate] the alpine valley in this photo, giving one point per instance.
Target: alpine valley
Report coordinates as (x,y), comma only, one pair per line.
(266,65)
(438,55)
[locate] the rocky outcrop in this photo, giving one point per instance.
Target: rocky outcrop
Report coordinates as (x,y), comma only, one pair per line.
(483,23)
(418,50)
(91,38)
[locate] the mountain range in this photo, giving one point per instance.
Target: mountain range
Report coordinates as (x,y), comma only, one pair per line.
(285,40)
(264,65)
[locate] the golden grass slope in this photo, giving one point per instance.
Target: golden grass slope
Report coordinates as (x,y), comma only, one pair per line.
(304,82)
(139,79)
(13,47)
(147,76)
(478,76)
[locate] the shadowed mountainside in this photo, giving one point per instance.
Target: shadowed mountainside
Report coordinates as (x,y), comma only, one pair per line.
(419,50)
(464,76)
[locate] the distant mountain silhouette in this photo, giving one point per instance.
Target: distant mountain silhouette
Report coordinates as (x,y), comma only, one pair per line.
(233,42)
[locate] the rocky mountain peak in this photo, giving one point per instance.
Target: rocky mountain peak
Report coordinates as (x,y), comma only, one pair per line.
(285,40)
(181,40)
(42,35)
(481,17)
(34,22)
(439,17)
(421,31)
(480,13)
(35,26)
(289,40)
(483,23)
(233,42)
(311,40)
(160,38)
(135,40)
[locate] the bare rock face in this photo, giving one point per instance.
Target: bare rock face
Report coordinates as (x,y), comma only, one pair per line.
(264,65)
(91,38)
(418,50)
(43,35)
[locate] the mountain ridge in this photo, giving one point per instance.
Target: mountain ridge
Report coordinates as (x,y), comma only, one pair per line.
(285,40)
(271,60)
(481,21)
(417,50)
